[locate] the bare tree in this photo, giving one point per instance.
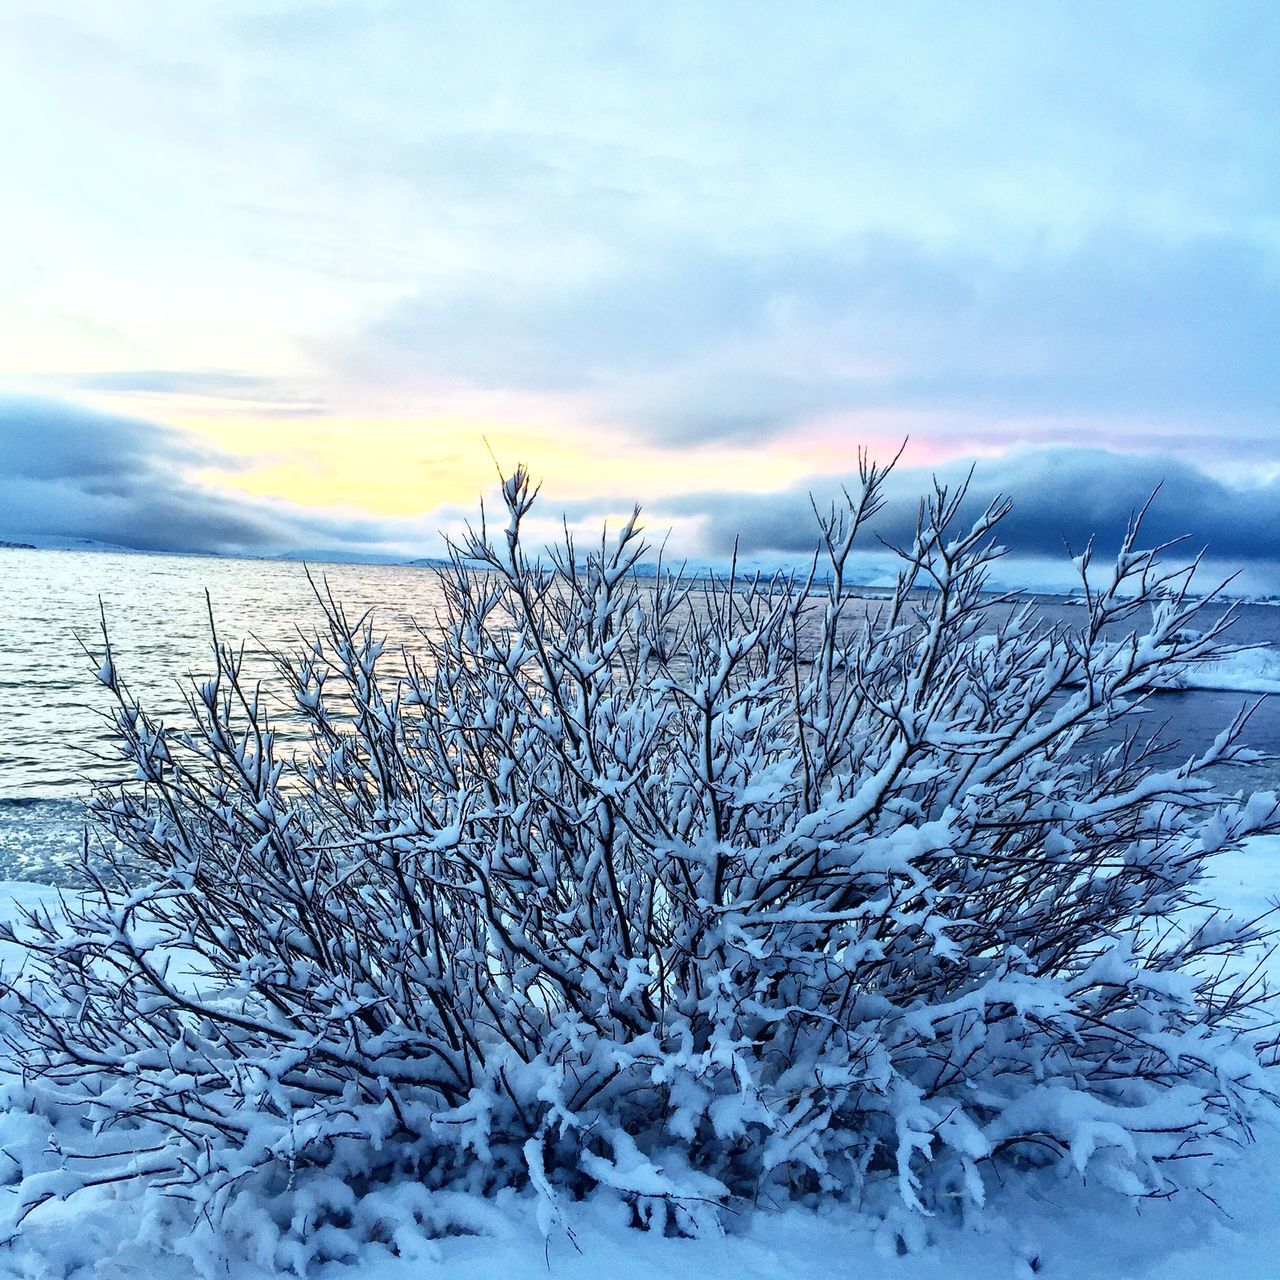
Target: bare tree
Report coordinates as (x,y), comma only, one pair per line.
(698,891)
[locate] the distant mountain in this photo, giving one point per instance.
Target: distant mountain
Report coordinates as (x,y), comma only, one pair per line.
(55,542)
(313,555)
(872,576)
(331,555)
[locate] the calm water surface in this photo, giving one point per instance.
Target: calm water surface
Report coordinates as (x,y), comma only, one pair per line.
(53,741)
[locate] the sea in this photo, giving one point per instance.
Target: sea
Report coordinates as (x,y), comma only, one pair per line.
(160,612)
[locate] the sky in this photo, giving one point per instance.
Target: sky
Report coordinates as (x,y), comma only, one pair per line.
(284,275)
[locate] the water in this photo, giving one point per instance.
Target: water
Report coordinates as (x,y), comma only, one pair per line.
(54,741)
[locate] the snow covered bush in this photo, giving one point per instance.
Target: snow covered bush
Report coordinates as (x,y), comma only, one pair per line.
(707,894)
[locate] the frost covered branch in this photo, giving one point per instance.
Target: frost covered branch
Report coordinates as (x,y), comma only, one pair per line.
(694,892)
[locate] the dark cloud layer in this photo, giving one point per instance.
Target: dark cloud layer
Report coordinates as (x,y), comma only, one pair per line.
(68,471)
(1062,496)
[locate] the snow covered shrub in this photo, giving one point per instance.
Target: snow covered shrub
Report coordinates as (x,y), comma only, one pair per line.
(701,893)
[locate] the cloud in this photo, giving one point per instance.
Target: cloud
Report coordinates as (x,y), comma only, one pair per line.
(1062,496)
(717,225)
(266,394)
(69,471)
(828,115)
(695,343)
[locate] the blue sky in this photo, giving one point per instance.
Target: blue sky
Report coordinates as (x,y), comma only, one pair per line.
(275,272)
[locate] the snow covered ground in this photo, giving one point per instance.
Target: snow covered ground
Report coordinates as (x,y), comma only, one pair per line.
(1252,670)
(1232,1229)
(1075,1238)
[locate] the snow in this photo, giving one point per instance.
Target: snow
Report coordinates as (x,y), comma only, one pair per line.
(1252,670)
(1160,1241)
(61,542)
(1255,669)
(17,897)
(244,1060)
(1075,1237)
(1078,1232)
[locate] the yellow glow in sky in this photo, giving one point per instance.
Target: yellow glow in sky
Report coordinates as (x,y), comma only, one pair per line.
(404,467)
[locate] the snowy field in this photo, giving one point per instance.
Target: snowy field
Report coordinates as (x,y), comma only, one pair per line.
(1229,1229)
